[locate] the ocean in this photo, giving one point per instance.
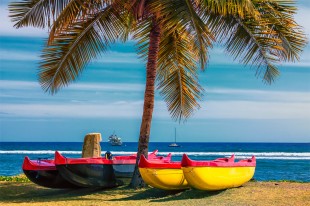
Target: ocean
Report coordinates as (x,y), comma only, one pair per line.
(275,161)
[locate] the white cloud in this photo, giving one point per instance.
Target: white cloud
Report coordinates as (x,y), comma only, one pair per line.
(17,56)
(7,28)
(270,95)
(225,93)
(118,57)
(133,109)
(109,87)
(115,110)
(125,87)
(254,110)
(302,18)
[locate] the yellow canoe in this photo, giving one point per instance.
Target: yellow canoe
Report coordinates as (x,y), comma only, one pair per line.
(218,174)
(162,174)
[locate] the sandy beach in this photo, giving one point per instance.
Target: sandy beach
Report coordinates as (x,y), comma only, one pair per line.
(252,193)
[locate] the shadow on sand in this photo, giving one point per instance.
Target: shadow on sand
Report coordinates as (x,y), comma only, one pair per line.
(18,193)
(157,195)
(27,192)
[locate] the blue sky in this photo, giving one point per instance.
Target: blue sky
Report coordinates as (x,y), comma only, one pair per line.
(108,96)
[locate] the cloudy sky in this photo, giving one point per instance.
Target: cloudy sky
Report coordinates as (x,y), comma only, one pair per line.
(108,96)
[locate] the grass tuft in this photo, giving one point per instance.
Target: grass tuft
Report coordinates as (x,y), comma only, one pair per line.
(17,178)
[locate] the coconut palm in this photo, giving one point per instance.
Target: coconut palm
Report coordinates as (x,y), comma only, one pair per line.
(173,36)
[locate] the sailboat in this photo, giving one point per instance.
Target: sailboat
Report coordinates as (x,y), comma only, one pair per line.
(175,139)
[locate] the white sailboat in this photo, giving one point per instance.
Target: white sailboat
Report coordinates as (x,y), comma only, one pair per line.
(175,139)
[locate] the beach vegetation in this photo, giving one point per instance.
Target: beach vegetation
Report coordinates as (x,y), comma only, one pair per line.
(174,37)
(15,178)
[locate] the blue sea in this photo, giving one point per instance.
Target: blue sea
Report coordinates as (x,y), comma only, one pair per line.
(275,161)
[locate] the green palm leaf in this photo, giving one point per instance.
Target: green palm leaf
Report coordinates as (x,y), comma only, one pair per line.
(239,8)
(74,11)
(253,43)
(36,13)
(68,15)
(186,13)
(177,74)
(142,35)
(71,50)
(279,16)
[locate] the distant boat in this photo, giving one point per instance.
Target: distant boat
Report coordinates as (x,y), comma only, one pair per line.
(175,139)
(114,140)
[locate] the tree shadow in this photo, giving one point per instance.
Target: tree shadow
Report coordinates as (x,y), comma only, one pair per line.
(157,195)
(151,193)
(19,193)
(24,193)
(189,194)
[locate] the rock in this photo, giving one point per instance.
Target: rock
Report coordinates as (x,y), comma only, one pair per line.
(91,146)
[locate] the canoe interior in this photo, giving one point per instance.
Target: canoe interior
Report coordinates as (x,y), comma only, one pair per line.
(48,178)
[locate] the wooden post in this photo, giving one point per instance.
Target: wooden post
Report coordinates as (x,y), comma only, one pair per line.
(91,146)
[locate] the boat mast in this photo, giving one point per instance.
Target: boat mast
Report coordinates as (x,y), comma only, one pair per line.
(175,135)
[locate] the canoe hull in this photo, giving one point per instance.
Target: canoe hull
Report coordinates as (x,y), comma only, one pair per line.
(123,170)
(217,178)
(89,175)
(164,174)
(97,172)
(48,178)
(166,179)
(44,173)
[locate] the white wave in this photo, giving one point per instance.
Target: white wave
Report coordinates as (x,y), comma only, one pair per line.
(238,155)
(37,152)
(248,154)
(275,158)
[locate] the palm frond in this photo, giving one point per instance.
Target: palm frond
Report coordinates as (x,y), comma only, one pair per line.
(65,18)
(36,13)
(75,10)
(177,74)
(71,50)
(262,42)
(142,35)
(254,43)
(188,14)
(239,8)
(279,17)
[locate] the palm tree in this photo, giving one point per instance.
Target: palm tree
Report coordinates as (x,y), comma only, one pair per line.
(173,36)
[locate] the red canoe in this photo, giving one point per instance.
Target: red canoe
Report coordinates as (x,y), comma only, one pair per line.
(44,173)
(98,172)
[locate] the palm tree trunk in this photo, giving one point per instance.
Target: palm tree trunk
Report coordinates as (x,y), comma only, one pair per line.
(148,107)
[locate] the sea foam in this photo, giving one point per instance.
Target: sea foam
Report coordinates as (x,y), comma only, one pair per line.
(238,155)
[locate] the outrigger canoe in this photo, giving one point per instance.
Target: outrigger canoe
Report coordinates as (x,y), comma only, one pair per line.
(43,172)
(166,175)
(97,172)
(218,174)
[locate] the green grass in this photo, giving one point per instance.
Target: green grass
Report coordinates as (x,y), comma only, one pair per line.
(17,178)
(252,193)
